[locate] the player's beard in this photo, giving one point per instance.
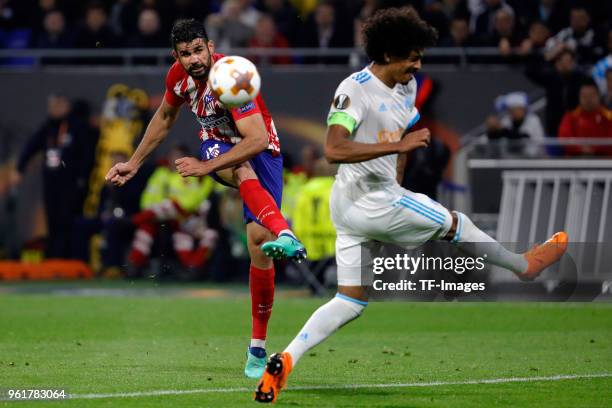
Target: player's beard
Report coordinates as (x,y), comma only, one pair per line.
(203,75)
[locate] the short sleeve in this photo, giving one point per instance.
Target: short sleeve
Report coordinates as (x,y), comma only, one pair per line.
(248,109)
(347,106)
(170,96)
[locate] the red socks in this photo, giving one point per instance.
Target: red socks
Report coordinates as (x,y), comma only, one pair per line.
(261,283)
(263,206)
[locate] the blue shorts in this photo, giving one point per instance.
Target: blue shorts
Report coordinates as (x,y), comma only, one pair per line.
(268,168)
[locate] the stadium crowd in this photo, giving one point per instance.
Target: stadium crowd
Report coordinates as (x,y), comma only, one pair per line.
(519,27)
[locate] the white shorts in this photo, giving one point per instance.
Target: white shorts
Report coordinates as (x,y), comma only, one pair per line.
(389,214)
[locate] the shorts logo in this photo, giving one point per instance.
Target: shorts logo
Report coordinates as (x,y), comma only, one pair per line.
(212,151)
(247,108)
(342,101)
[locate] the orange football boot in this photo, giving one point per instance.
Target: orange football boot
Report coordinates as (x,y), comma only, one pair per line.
(542,256)
(275,377)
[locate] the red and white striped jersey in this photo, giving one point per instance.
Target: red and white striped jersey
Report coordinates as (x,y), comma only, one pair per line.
(217,121)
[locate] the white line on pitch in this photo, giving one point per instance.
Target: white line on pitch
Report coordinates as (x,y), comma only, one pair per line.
(344,387)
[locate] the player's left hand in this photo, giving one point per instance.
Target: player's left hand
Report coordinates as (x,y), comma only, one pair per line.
(191,167)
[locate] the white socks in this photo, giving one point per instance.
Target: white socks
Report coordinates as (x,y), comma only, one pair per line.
(323,322)
(472,240)
(258,343)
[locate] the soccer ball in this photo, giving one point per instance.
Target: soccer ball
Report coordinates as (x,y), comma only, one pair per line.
(234,81)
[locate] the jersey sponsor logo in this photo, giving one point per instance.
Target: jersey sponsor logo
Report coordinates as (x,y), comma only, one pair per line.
(211,122)
(247,108)
(212,151)
(342,101)
(389,136)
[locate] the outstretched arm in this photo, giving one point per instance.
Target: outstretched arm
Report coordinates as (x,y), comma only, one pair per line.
(156,132)
(254,141)
(340,149)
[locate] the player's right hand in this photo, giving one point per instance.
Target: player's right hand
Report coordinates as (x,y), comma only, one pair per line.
(120,173)
(414,140)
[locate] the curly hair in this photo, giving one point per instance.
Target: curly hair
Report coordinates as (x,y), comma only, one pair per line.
(186,31)
(396,32)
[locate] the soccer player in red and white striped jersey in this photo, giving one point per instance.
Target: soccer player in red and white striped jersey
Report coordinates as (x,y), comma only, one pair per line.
(239,148)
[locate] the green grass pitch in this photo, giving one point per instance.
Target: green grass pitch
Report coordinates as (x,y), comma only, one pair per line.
(117,345)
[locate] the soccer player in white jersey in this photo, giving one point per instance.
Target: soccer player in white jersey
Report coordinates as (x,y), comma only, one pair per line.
(366,135)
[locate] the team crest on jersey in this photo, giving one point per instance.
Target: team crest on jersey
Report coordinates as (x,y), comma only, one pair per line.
(212,151)
(208,99)
(342,101)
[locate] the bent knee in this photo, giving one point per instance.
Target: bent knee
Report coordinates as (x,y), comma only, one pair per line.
(243,173)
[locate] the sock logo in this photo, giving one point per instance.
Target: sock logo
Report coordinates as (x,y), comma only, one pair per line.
(262,215)
(264,309)
(303,336)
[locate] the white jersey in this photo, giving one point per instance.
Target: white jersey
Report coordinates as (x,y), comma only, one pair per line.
(376,114)
(366,202)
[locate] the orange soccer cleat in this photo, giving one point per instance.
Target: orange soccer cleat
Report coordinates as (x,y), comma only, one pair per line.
(273,381)
(542,256)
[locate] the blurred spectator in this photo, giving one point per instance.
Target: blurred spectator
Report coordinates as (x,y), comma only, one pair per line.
(459,34)
(266,36)
(249,15)
(323,30)
(95,31)
(578,37)
(55,34)
(602,66)
(65,141)
(608,94)
(517,123)
(112,220)
(589,120)
(285,16)
(505,35)
(149,33)
(8,15)
(226,28)
(309,155)
(312,220)
(485,21)
(434,14)
(533,46)
(553,13)
(562,86)
(179,204)
(124,16)
(38,14)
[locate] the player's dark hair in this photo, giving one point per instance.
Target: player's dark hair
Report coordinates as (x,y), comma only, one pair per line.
(186,31)
(396,32)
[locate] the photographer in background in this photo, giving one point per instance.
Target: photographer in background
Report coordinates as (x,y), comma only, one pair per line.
(66,142)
